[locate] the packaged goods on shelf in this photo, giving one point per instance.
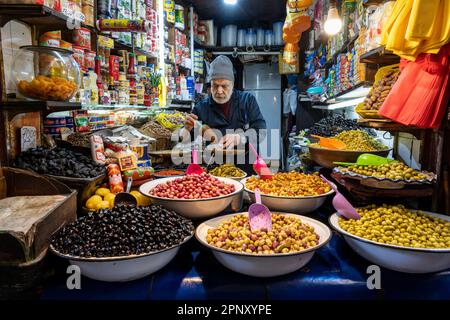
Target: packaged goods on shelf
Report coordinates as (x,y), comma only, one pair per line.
(179,16)
(198,61)
(349,17)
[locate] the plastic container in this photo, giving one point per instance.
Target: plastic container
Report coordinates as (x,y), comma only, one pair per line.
(269,40)
(260,37)
(250,38)
(179,17)
(241,38)
(278,33)
(229,36)
(45,73)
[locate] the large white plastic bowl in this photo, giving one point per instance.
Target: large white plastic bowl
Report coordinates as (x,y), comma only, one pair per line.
(125,268)
(263,265)
(300,205)
(397,258)
(197,208)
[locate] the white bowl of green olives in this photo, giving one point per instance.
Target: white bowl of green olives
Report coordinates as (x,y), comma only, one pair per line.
(398,257)
(264,263)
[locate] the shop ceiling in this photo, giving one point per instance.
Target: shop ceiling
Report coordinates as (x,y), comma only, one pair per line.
(248,12)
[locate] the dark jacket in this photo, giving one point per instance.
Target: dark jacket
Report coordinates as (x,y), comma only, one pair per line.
(244,113)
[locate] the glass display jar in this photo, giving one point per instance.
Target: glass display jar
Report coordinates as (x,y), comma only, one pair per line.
(46,73)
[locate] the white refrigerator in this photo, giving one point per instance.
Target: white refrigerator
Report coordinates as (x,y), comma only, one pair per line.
(264,81)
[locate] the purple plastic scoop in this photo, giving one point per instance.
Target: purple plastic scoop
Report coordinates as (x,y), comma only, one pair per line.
(259,215)
(341,204)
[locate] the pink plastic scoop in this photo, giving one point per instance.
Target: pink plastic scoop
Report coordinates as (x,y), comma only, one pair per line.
(341,204)
(260,165)
(259,215)
(194,168)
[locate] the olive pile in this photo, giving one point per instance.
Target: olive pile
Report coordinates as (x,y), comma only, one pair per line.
(396,225)
(357,140)
(394,170)
(227,170)
(123,231)
(333,125)
(288,235)
(59,162)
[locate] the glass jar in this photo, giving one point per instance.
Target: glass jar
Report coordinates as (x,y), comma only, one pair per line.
(46,73)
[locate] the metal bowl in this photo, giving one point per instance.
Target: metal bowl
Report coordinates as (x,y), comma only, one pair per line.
(197,208)
(263,265)
(234,178)
(326,157)
(124,268)
(289,204)
(397,258)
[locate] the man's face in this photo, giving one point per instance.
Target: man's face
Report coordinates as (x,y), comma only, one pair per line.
(221,90)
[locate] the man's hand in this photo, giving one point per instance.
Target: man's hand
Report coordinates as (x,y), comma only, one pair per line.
(230,140)
(189,123)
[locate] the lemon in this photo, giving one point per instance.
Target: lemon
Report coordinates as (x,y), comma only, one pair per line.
(102,205)
(92,202)
(102,192)
(110,198)
(140,198)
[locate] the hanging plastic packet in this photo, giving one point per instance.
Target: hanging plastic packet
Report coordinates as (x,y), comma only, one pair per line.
(97,149)
(297,21)
(115,179)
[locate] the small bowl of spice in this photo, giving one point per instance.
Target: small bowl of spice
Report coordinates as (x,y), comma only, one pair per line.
(167,173)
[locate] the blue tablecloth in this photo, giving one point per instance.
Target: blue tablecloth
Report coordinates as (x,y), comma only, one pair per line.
(335,272)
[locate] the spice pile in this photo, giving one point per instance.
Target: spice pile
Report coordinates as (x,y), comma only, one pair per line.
(397,225)
(288,235)
(196,186)
(292,184)
(123,231)
(168,173)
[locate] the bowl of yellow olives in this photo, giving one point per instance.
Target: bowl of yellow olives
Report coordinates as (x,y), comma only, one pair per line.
(398,238)
(394,175)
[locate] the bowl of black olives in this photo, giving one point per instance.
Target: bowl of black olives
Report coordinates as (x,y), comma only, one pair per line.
(124,243)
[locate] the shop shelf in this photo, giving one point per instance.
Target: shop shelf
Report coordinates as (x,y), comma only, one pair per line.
(387,125)
(345,48)
(379,56)
(244,49)
(46,107)
(118,45)
(341,95)
(38,15)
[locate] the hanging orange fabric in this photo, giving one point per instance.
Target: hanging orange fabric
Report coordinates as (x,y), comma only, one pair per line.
(421,93)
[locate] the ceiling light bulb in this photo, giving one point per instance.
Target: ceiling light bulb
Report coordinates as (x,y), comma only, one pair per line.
(230,1)
(333,24)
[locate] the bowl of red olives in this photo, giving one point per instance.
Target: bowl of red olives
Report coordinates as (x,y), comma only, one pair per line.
(195,196)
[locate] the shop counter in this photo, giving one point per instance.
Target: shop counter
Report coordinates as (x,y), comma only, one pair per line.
(335,272)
